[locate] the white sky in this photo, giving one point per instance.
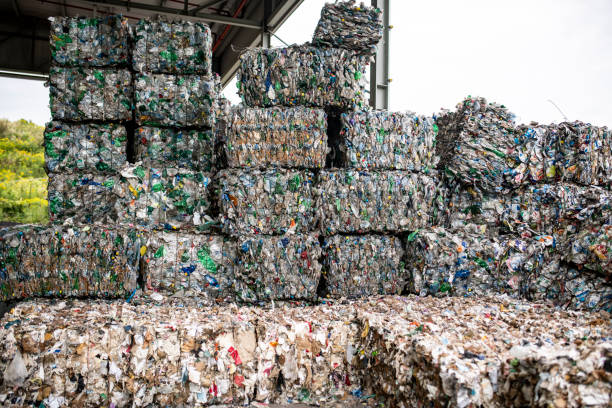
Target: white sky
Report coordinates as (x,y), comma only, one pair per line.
(520,53)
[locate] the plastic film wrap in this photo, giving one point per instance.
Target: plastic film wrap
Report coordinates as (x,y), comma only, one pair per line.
(78,94)
(86,147)
(347,25)
(284,137)
(96,42)
(175,100)
(189,149)
(270,201)
(68,261)
(302,75)
(172,47)
(480,352)
(278,268)
(476,143)
(360,266)
(389,140)
(196,265)
(376,201)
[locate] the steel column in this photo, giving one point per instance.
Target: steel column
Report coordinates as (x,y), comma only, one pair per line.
(379,69)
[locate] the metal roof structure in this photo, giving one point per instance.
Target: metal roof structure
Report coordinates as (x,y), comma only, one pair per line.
(235,24)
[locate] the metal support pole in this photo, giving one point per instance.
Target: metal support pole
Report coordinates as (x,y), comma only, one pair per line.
(379,69)
(266,38)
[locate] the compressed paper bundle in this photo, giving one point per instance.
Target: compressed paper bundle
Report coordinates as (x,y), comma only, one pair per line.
(302,75)
(476,143)
(175,100)
(347,25)
(84,198)
(283,137)
(189,149)
(85,147)
(278,268)
(77,94)
(577,152)
(359,266)
(375,201)
(172,47)
(266,201)
(481,352)
(198,265)
(96,42)
(389,140)
(67,261)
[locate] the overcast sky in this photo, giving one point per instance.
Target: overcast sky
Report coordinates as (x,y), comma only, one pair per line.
(521,53)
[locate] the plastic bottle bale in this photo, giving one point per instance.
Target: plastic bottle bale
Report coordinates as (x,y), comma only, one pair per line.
(283,137)
(302,75)
(272,201)
(83,198)
(189,149)
(591,247)
(175,100)
(278,268)
(181,46)
(19,272)
(359,266)
(475,212)
(346,25)
(443,262)
(132,191)
(477,143)
(94,42)
(536,155)
(375,201)
(102,94)
(198,265)
(85,147)
(380,139)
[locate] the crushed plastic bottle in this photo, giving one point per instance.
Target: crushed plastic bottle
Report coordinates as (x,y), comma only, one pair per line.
(175,100)
(100,94)
(388,140)
(302,75)
(272,201)
(90,42)
(100,148)
(280,137)
(346,25)
(179,47)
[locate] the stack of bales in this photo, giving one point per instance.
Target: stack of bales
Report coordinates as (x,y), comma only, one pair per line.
(529,211)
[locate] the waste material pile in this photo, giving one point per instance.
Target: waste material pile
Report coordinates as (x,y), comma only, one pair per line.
(389,351)
(347,25)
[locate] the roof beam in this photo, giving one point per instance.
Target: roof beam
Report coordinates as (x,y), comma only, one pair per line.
(204,5)
(239,22)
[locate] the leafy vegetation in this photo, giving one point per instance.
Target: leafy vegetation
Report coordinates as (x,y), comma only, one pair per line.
(23,182)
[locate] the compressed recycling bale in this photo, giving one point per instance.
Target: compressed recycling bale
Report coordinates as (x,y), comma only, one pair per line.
(302,75)
(68,261)
(284,137)
(359,266)
(97,42)
(85,147)
(592,248)
(476,143)
(481,352)
(375,201)
(175,100)
(202,265)
(189,149)
(576,152)
(380,139)
(183,47)
(77,94)
(346,25)
(473,211)
(270,201)
(278,268)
